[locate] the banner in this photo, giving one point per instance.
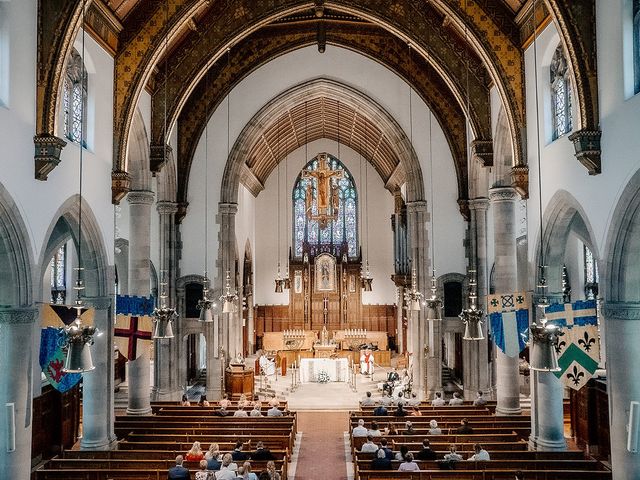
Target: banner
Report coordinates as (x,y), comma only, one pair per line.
(136,306)
(509,321)
(579,348)
(52,360)
(54,315)
(132,335)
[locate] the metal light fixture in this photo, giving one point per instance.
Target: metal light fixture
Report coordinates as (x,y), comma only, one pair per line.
(229,299)
(78,337)
(205,305)
(413,297)
(163,315)
(433,304)
(279,281)
(473,316)
(365,277)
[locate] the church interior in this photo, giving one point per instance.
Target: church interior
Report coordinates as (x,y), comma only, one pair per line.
(236,234)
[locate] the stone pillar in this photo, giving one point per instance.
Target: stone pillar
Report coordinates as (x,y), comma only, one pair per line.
(427,367)
(476,367)
(97,385)
(623,383)
(138,370)
(547,417)
(165,374)
(17,326)
(503,202)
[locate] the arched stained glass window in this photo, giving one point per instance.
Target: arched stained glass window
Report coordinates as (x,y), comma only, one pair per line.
(591,276)
(560,94)
(345,226)
(74,99)
(58,275)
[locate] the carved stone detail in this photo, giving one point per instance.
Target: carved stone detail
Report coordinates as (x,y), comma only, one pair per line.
(482,151)
(503,194)
(18,316)
(463,206)
(120,185)
(622,310)
(99,303)
(520,180)
(182,211)
(167,208)
(158,157)
(47,154)
(140,197)
(587,146)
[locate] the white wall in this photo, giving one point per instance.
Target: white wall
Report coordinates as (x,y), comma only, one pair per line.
(373,80)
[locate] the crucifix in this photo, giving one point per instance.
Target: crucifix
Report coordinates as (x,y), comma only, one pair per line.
(326,192)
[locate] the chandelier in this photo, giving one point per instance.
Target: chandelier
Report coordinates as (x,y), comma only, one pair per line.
(433,303)
(413,297)
(229,299)
(163,315)
(205,304)
(472,316)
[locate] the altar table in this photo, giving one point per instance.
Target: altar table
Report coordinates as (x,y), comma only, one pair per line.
(338,369)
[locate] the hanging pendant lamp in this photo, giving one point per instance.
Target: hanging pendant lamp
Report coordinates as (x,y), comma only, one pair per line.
(206,305)
(163,315)
(413,297)
(472,317)
(229,299)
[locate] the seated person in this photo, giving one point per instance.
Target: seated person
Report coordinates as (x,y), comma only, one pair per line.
(400,411)
(381,462)
(426,453)
(274,402)
(195,454)
(413,401)
(480,401)
(225,402)
(203,473)
(387,450)
(360,430)
(480,454)
(400,400)
(238,454)
(203,402)
(179,472)
(415,412)
(408,429)
(267,366)
(240,412)
(213,457)
(393,376)
(274,412)
(256,411)
(374,431)
(391,429)
(434,429)
(222,411)
(247,474)
(227,469)
(242,401)
(453,455)
(456,400)
(402,454)
(464,427)
(271,469)
(262,453)
(380,411)
(385,400)
(369,446)
(438,401)
(368,400)
(408,465)
(185,401)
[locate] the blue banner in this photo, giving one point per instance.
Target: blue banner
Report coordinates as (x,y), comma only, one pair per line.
(135,306)
(52,360)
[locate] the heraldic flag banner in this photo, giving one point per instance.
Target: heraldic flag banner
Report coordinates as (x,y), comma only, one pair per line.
(53,320)
(579,348)
(134,325)
(509,321)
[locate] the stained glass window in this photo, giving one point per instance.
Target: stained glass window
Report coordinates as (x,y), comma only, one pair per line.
(560,94)
(74,99)
(343,229)
(591,277)
(58,276)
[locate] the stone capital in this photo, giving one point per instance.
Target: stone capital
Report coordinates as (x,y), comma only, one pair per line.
(18,316)
(480,203)
(622,310)
(99,303)
(503,194)
(167,208)
(227,208)
(47,154)
(120,185)
(588,151)
(417,206)
(140,197)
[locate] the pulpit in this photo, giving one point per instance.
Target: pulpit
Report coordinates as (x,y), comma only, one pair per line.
(238,381)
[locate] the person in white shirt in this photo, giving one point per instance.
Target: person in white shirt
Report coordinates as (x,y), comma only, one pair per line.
(274,402)
(480,455)
(360,430)
(453,455)
(385,400)
(274,412)
(256,410)
(438,401)
(374,431)
(414,401)
(228,469)
(456,400)
(368,400)
(240,412)
(434,429)
(400,400)
(480,401)
(408,465)
(369,446)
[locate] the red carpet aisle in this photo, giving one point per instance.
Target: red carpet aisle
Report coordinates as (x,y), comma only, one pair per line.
(322,455)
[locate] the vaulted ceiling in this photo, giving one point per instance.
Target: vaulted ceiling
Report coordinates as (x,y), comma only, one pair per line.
(171,46)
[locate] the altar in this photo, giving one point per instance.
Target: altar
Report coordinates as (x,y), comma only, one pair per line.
(337,369)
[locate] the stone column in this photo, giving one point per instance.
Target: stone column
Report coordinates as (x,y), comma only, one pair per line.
(476,371)
(623,351)
(503,202)
(547,417)
(17,326)
(138,370)
(97,385)
(165,374)
(427,369)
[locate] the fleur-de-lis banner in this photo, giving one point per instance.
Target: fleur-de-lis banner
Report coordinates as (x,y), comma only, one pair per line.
(579,348)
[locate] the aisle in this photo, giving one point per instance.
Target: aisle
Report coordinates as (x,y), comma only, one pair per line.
(322,450)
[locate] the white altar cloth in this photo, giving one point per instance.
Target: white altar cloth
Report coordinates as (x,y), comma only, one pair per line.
(338,369)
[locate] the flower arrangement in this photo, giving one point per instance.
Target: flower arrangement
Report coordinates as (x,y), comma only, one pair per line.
(323,376)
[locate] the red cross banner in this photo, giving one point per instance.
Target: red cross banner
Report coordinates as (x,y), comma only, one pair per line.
(132,335)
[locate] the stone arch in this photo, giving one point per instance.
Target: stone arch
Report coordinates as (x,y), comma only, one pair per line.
(16,255)
(167,180)
(181,283)
(563,216)
(331,89)
(138,161)
(453,277)
(97,277)
(503,153)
